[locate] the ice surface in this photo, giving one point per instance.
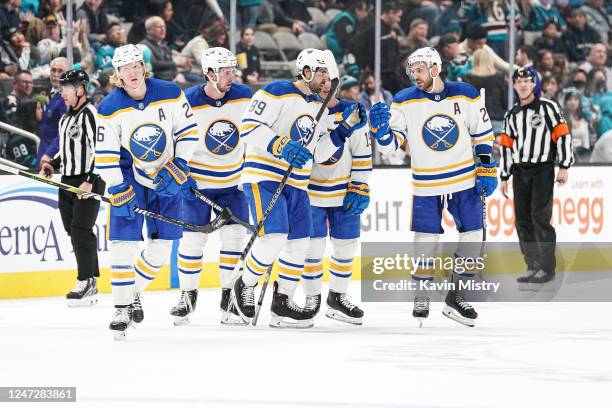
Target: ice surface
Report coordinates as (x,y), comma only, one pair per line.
(518,355)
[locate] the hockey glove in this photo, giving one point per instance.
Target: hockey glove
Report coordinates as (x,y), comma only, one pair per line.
(173,177)
(354,117)
(379,123)
(291,151)
(357,198)
(123,200)
(486,178)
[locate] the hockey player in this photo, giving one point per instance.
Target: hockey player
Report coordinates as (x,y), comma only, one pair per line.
(146,136)
(339,193)
(279,130)
(215,166)
(445,125)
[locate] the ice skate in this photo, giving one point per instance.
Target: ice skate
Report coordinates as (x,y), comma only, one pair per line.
(313,304)
(286,314)
(230,317)
(459,310)
(122,320)
(244,300)
(85,293)
(185,307)
(138,313)
(421,309)
(523,280)
(342,309)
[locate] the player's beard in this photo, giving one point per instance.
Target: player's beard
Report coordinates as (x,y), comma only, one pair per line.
(315,87)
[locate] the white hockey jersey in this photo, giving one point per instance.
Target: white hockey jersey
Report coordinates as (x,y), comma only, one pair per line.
(351,162)
(280,109)
(218,158)
(443,131)
(143,135)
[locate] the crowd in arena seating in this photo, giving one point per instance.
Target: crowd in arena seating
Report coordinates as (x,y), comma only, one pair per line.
(566,41)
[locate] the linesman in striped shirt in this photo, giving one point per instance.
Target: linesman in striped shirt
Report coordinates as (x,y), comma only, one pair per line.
(75,159)
(535,136)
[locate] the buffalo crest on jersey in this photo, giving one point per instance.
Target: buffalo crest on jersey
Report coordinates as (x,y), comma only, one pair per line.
(440,132)
(302,129)
(148,142)
(221,137)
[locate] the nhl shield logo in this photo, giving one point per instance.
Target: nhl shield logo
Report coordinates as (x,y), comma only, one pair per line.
(148,142)
(302,129)
(221,137)
(536,121)
(440,132)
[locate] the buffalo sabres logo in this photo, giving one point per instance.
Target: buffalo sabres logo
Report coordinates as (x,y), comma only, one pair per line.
(221,137)
(303,129)
(148,142)
(440,132)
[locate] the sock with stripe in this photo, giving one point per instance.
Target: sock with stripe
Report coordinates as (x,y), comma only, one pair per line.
(232,245)
(313,267)
(425,248)
(190,254)
(341,264)
(291,265)
(263,253)
(150,261)
(122,275)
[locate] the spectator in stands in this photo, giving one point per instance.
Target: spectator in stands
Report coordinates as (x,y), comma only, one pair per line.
(525,57)
(561,69)
(543,13)
(54,8)
(115,37)
(159,8)
(349,88)
(9,16)
(550,86)
(16,51)
(448,17)
(392,73)
(97,22)
(49,126)
(283,17)
(102,84)
(248,56)
(454,64)
(550,39)
(194,49)
(216,35)
(342,30)
(368,95)
(597,59)
(484,76)
(416,38)
(546,61)
(19,149)
(579,37)
(52,44)
(598,18)
(601,97)
(164,67)
(475,39)
(420,9)
(30,6)
(578,83)
(23,85)
(248,12)
(579,126)
(493,16)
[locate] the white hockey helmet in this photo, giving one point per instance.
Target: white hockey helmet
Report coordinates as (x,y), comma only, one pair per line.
(127,54)
(216,58)
(427,55)
(311,58)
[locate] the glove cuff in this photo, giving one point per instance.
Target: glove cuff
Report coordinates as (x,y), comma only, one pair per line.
(277,145)
(178,170)
(122,196)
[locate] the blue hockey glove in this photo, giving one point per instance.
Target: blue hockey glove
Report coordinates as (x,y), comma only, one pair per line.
(354,117)
(172,178)
(486,178)
(357,198)
(123,200)
(291,151)
(380,115)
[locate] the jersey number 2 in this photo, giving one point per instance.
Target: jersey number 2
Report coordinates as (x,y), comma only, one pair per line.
(485,117)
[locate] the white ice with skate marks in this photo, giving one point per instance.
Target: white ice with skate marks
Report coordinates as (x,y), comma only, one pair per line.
(518,355)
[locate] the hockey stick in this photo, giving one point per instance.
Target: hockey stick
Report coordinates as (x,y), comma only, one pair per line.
(273,200)
(219,208)
(262,293)
(214,225)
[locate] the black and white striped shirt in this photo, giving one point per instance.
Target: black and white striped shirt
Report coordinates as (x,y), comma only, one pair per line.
(77,141)
(535,133)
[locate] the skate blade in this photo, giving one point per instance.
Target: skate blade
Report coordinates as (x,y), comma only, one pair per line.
(280,322)
(231,319)
(452,314)
(524,286)
(182,320)
(542,287)
(341,317)
(420,320)
(87,302)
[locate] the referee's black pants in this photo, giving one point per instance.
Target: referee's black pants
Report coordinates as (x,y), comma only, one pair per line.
(533,186)
(79,217)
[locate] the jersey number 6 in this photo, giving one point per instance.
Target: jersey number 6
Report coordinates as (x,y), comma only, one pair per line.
(100,134)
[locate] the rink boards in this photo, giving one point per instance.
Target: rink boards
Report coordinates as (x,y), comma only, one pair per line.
(36,257)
